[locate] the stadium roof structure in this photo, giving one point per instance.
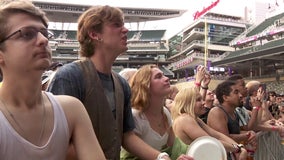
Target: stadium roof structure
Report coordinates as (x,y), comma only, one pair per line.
(69,13)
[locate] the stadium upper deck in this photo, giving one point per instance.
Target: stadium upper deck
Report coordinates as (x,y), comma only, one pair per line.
(69,13)
(145,46)
(211,33)
(254,52)
(259,51)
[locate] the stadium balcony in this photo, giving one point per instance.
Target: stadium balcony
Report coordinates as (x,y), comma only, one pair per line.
(249,50)
(238,52)
(270,44)
(68,46)
(265,24)
(64,57)
(196,33)
(53,45)
(167,72)
(199,44)
(64,35)
(146,35)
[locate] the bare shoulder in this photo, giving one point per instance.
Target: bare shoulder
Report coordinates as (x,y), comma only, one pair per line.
(183,119)
(70,105)
(216,114)
(216,111)
(68,101)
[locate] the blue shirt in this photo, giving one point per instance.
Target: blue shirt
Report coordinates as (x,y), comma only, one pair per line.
(69,80)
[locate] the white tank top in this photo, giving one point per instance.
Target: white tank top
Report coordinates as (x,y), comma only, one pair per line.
(14,147)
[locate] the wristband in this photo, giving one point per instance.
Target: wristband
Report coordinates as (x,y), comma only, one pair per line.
(257,108)
(248,134)
(238,147)
(205,88)
(161,155)
(197,84)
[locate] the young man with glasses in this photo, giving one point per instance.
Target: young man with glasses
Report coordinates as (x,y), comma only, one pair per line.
(36,124)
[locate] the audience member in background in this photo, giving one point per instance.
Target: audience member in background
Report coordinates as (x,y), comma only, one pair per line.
(127,73)
(49,74)
(153,122)
(36,124)
(247,119)
(252,90)
(224,118)
(255,91)
(208,104)
(105,94)
(55,66)
(169,102)
(188,126)
(45,78)
(272,104)
(202,80)
(281,113)
(260,108)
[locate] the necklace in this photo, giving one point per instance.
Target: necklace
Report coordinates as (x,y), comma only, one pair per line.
(43,121)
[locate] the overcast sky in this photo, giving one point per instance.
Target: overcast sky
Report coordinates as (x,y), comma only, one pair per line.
(174,25)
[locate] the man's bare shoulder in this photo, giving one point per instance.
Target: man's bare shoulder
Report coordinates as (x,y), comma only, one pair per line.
(216,114)
(69,103)
(65,99)
(216,111)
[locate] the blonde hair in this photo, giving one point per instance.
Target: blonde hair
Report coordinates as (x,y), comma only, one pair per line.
(140,87)
(185,102)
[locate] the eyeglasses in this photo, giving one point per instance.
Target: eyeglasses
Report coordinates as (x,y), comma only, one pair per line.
(29,33)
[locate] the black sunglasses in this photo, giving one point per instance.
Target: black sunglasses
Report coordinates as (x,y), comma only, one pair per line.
(29,33)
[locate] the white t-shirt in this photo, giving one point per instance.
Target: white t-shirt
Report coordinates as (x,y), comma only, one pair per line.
(146,133)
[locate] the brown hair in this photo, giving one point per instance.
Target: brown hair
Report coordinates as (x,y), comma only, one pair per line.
(93,20)
(12,7)
(140,87)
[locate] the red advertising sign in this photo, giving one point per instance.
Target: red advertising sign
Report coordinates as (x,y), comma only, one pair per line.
(197,14)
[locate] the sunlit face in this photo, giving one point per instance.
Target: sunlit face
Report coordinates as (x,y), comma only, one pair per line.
(199,108)
(241,85)
(114,36)
(209,96)
(235,97)
(272,97)
(27,49)
(160,84)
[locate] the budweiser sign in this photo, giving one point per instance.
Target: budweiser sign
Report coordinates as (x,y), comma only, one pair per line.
(197,14)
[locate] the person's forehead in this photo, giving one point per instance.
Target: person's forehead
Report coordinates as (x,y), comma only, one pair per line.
(19,20)
(240,82)
(156,70)
(234,87)
(209,92)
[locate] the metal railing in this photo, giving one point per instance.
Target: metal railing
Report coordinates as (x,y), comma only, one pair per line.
(269,147)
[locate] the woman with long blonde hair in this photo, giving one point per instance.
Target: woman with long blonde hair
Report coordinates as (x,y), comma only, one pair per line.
(187,125)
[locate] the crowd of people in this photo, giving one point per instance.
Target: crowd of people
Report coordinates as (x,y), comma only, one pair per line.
(84,110)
